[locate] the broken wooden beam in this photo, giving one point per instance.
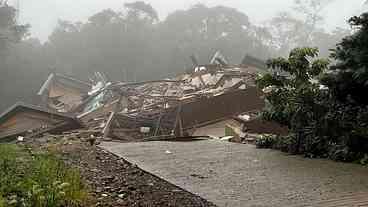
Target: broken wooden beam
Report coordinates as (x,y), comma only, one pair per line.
(106,130)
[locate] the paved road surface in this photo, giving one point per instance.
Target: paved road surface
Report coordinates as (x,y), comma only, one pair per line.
(238,175)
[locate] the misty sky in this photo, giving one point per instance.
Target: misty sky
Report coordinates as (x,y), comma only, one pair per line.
(43,14)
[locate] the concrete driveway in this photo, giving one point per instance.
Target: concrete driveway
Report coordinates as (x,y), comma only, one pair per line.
(230,174)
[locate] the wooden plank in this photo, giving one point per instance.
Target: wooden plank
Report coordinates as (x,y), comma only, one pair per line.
(45,130)
(106,130)
(158,124)
(177,120)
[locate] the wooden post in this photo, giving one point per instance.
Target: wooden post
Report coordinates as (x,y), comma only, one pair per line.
(181,126)
(106,130)
(178,122)
(158,123)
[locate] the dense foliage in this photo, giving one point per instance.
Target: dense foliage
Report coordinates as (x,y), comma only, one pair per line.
(349,78)
(38,180)
(294,99)
(324,107)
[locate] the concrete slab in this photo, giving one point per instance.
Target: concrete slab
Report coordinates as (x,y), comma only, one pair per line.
(240,175)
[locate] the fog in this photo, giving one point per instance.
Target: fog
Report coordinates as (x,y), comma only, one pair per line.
(258,11)
(154,39)
(201,91)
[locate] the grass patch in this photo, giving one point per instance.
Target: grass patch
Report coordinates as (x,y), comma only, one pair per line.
(38,180)
(2,201)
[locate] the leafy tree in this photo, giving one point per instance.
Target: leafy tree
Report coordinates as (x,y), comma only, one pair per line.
(18,59)
(111,42)
(102,18)
(329,120)
(293,93)
(10,31)
(140,9)
(134,45)
(302,27)
(328,40)
(348,79)
(311,10)
(202,30)
(286,30)
(347,82)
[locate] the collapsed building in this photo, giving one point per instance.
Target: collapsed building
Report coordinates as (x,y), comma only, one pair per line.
(212,100)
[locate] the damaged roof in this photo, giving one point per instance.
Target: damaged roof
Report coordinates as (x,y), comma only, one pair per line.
(65,80)
(20,106)
(33,117)
(141,110)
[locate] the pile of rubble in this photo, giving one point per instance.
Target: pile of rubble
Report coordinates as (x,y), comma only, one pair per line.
(189,105)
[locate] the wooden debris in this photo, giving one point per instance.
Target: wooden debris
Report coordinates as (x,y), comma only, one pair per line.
(118,110)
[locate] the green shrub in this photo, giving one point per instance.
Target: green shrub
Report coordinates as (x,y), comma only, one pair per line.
(322,124)
(10,171)
(341,153)
(265,141)
(40,180)
(51,183)
(364,160)
(286,143)
(2,201)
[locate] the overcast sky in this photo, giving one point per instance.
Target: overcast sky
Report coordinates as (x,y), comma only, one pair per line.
(43,14)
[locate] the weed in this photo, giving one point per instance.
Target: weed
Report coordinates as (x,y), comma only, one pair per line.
(2,201)
(40,180)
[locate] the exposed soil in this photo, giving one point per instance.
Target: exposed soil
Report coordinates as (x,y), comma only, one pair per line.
(115,182)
